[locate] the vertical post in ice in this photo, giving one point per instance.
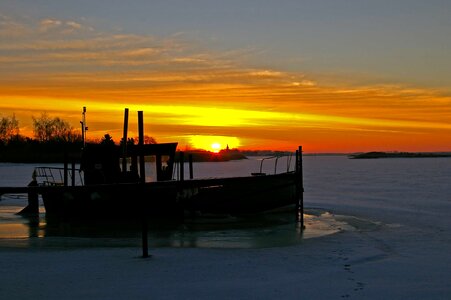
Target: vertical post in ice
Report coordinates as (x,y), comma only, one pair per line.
(299,188)
(142,170)
(142,181)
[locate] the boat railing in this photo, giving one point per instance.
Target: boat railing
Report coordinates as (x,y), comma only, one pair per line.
(54,176)
(276,160)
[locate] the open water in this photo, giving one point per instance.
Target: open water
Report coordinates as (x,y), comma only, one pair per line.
(333,184)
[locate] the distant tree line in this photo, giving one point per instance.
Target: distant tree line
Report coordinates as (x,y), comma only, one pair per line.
(45,129)
(9,128)
(52,139)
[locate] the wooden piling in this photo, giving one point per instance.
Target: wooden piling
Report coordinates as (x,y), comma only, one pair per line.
(190,160)
(124,144)
(300,188)
(142,174)
(142,169)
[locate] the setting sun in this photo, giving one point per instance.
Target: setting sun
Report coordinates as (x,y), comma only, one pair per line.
(216,147)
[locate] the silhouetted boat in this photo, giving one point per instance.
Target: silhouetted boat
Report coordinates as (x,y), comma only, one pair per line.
(115,188)
(109,192)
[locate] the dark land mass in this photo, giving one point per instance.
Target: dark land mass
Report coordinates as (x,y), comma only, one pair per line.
(38,152)
(32,151)
(375,154)
(58,152)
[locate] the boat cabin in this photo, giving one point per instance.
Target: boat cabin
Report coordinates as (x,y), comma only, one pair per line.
(104,163)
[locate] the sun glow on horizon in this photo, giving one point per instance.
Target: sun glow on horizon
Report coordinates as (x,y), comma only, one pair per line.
(215,147)
(214,143)
(359,129)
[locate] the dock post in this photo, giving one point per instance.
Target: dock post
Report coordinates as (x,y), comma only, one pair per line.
(142,177)
(142,169)
(190,160)
(300,188)
(124,142)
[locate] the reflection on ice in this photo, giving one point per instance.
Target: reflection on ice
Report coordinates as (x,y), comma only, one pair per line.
(261,231)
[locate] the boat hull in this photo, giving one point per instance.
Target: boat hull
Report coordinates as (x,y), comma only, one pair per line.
(232,196)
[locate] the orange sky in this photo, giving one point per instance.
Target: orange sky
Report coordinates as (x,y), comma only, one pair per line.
(201,96)
(256,113)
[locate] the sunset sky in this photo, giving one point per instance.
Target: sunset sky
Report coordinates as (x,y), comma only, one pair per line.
(332,75)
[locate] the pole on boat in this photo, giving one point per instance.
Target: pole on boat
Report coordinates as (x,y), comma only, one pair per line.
(142,180)
(182,165)
(299,188)
(124,142)
(190,160)
(83,126)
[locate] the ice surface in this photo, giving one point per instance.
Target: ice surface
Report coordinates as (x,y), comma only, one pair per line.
(398,246)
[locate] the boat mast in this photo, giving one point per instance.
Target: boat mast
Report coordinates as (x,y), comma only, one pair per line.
(84,128)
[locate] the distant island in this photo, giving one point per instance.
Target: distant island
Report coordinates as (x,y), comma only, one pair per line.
(57,152)
(376,154)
